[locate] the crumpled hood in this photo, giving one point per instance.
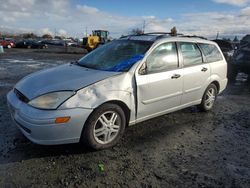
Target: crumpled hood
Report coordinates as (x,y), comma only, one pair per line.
(60,78)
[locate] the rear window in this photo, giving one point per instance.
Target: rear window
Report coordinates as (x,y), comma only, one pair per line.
(211,53)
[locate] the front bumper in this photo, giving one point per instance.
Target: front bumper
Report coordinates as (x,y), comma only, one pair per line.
(39,125)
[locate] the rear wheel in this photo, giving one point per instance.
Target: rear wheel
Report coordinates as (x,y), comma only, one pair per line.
(209,98)
(9,46)
(104,127)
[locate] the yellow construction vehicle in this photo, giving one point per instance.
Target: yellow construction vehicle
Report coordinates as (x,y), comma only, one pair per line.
(98,37)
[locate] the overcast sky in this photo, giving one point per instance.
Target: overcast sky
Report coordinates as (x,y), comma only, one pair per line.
(72,17)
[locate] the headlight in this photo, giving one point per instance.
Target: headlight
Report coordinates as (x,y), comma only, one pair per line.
(51,100)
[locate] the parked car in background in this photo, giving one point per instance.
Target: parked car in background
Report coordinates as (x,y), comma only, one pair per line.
(73,44)
(121,83)
(241,60)
(6,43)
(54,42)
(30,44)
(227,49)
(228,52)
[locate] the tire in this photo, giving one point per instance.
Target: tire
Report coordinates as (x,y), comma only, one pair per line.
(100,132)
(209,98)
(88,49)
(9,46)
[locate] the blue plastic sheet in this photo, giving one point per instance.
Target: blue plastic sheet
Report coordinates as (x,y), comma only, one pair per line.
(126,64)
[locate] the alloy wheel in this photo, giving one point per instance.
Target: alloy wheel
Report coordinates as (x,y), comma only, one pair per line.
(210,98)
(107,127)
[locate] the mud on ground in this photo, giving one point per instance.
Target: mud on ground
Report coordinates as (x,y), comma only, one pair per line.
(183,149)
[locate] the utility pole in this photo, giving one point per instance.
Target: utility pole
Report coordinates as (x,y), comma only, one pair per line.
(218,33)
(143,26)
(86,31)
(55,33)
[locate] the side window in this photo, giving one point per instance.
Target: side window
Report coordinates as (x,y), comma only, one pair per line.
(163,58)
(211,53)
(191,54)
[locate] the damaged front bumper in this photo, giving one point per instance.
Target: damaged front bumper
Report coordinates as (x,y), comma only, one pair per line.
(39,125)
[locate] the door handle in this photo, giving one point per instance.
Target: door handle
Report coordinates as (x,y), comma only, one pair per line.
(204,69)
(176,76)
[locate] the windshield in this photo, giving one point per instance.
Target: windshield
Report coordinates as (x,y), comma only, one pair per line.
(116,56)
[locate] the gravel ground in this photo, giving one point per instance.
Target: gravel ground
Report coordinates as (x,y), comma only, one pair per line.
(182,149)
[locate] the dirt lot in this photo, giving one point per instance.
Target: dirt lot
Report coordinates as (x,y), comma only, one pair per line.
(182,149)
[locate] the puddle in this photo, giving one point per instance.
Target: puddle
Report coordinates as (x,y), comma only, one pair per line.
(2,68)
(21,61)
(32,61)
(242,77)
(3,84)
(35,65)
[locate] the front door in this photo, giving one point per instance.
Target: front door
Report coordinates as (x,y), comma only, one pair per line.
(160,87)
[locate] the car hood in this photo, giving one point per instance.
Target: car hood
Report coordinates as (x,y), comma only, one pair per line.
(61,78)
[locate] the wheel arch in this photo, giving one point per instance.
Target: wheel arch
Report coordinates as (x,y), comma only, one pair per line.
(217,84)
(123,106)
(85,139)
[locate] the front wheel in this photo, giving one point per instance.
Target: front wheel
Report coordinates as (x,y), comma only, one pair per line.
(104,127)
(209,98)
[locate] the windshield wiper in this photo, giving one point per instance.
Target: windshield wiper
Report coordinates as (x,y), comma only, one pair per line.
(78,63)
(74,62)
(81,65)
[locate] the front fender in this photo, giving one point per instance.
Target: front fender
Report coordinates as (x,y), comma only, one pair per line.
(118,88)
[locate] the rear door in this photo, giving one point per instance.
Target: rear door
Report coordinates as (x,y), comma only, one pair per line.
(160,87)
(196,73)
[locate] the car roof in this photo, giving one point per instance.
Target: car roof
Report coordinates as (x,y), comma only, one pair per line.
(167,37)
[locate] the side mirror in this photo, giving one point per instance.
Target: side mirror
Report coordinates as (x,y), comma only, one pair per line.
(143,69)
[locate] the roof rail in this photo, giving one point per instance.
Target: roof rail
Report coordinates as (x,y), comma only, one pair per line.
(160,35)
(193,36)
(125,36)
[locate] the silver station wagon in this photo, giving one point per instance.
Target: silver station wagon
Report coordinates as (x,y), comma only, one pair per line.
(124,82)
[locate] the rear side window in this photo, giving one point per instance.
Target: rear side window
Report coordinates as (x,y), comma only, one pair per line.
(163,58)
(191,54)
(211,53)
